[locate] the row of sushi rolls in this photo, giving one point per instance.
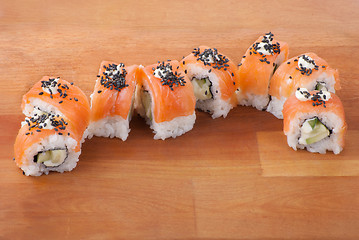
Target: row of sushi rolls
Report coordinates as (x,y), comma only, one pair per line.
(300,90)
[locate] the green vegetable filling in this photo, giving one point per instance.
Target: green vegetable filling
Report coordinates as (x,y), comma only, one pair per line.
(202,88)
(52,158)
(321,86)
(312,131)
(147,103)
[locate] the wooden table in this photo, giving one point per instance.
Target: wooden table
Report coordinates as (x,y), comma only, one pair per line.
(232,178)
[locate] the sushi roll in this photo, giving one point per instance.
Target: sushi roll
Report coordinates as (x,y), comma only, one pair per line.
(112,101)
(306,70)
(165,98)
(57,115)
(314,120)
(256,69)
(47,142)
(60,97)
(214,79)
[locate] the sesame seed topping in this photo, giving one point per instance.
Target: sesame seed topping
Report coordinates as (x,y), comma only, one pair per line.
(168,76)
(114,77)
(211,57)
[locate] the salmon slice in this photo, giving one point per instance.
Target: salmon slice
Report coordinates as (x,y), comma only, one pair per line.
(290,76)
(257,67)
(113,95)
(172,96)
(63,97)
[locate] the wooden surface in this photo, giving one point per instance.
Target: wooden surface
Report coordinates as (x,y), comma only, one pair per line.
(232,178)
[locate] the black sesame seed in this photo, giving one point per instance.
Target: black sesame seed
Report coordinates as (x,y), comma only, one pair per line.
(99,91)
(61,102)
(77,99)
(40,93)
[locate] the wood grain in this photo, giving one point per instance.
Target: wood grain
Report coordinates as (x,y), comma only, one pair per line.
(303,163)
(232,178)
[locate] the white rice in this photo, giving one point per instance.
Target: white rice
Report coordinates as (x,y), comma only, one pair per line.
(51,142)
(44,106)
(330,143)
(258,101)
(173,128)
(112,126)
(215,106)
(275,106)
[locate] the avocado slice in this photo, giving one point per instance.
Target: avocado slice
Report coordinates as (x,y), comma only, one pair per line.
(52,158)
(312,131)
(321,86)
(202,88)
(147,103)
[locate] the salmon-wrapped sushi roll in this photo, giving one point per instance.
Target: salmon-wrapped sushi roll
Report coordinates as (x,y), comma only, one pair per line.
(214,79)
(256,69)
(314,120)
(112,101)
(58,96)
(306,70)
(50,138)
(165,98)
(47,142)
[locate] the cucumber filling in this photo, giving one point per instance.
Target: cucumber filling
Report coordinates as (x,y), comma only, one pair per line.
(146,103)
(312,131)
(321,86)
(51,158)
(202,88)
